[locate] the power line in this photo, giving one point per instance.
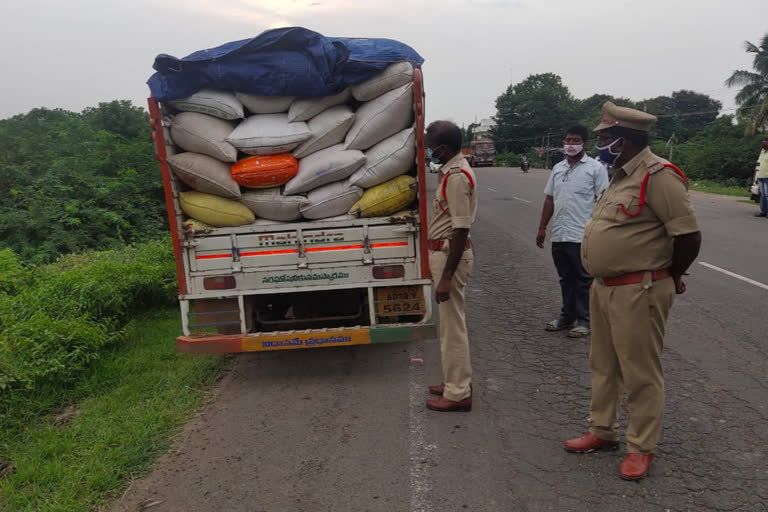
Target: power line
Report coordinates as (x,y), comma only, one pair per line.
(697,113)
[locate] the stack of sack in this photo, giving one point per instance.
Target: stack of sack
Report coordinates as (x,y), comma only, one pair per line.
(248,157)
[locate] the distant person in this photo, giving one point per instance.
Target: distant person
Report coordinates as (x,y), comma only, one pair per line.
(762,179)
(450,260)
(569,197)
(642,237)
(524,164)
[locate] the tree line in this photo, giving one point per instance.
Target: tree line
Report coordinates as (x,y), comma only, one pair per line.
(690,130)
(71,182)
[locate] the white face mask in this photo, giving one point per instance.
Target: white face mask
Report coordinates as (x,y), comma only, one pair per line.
(434,167)
(573,149)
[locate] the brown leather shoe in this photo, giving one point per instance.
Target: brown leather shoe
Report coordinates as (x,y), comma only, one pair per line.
(442,404)
(437,390)
(635,466)
(588,443)
(440,389)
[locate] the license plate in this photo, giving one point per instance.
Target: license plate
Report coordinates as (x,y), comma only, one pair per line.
(400,301)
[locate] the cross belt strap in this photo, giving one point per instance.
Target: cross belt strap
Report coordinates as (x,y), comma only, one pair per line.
(635,278)
(643,187)
(437,245)
(444,188)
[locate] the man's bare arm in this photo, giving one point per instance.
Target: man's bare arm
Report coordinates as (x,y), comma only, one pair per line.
(684,253)
(546,215)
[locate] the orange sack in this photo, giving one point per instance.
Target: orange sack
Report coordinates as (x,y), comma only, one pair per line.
(265,171)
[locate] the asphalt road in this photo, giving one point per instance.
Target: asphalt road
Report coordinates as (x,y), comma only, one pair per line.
(346,429)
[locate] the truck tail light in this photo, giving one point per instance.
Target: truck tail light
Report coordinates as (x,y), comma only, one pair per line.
(389,272)
(219,283)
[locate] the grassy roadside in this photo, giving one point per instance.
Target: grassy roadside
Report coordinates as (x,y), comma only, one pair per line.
(131,401)
(712,187)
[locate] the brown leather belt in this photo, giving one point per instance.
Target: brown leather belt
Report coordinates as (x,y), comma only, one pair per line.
(437,245)
(635,278)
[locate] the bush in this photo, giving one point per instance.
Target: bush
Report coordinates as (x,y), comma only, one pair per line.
(513,159)
(77,182)
(720,153)
(68,312)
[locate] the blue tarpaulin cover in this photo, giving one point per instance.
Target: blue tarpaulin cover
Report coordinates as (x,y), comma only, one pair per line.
(281,62)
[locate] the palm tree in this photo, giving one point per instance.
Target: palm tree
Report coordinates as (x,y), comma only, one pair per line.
(752,99)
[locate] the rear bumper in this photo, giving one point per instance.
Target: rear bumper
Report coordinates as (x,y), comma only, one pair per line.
(221,344)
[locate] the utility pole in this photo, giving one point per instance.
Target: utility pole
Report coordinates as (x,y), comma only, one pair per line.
(549,142)
(671,146)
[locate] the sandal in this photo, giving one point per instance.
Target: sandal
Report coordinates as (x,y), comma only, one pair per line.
(557,325)
(579,331)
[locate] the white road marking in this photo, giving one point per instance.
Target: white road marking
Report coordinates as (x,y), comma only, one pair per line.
(418,448)
(736,276)
(492,190)
(521,199)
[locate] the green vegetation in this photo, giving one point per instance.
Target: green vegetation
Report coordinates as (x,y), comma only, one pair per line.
(513,160)
(753,96)
(69,335)
(536,112)
(57,319)
(129,404)
(711,187)
(72,182)
(91,387)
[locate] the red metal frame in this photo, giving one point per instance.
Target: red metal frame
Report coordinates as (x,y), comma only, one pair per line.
(158,138)
(421,166)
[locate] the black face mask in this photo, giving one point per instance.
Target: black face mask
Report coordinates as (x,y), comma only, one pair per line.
(432,156)
(607,154)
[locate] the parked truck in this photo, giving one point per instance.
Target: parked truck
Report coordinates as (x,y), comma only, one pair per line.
(483,152)
(467,153)
(305,284)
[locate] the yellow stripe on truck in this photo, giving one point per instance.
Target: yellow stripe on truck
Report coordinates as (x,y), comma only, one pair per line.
(289,341)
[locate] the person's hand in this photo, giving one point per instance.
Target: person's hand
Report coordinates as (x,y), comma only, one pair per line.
(679,285)
(540,238)
(443,292)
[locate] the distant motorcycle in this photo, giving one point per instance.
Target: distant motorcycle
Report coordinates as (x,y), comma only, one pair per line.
(524,164)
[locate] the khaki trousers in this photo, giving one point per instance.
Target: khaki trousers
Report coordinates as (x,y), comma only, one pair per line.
(628,325)
(454,341)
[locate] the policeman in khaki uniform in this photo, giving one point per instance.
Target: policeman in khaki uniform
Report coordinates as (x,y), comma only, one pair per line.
(641,239)
(450,260)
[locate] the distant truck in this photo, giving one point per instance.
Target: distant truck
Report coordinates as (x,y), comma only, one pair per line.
(467,152)
(482,153)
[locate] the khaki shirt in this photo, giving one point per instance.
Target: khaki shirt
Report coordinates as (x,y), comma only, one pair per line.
(616,243)
(460,203)
(762,164)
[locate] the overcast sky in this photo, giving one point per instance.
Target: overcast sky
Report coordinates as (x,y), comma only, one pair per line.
(76,53)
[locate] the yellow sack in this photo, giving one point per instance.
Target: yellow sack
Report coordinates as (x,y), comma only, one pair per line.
(195,226)
(214,210)
(386,199)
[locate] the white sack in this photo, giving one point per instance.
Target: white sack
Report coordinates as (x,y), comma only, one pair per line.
(306,109)
(268,134)
(394,76)
(325,166)
(199,133)
(265,104)
(205,174)
(328,129)
(381,118)
(273,205)
(221,104)
(331,200)
(386,160)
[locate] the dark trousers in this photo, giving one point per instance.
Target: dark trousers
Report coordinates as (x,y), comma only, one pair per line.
(574,283)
